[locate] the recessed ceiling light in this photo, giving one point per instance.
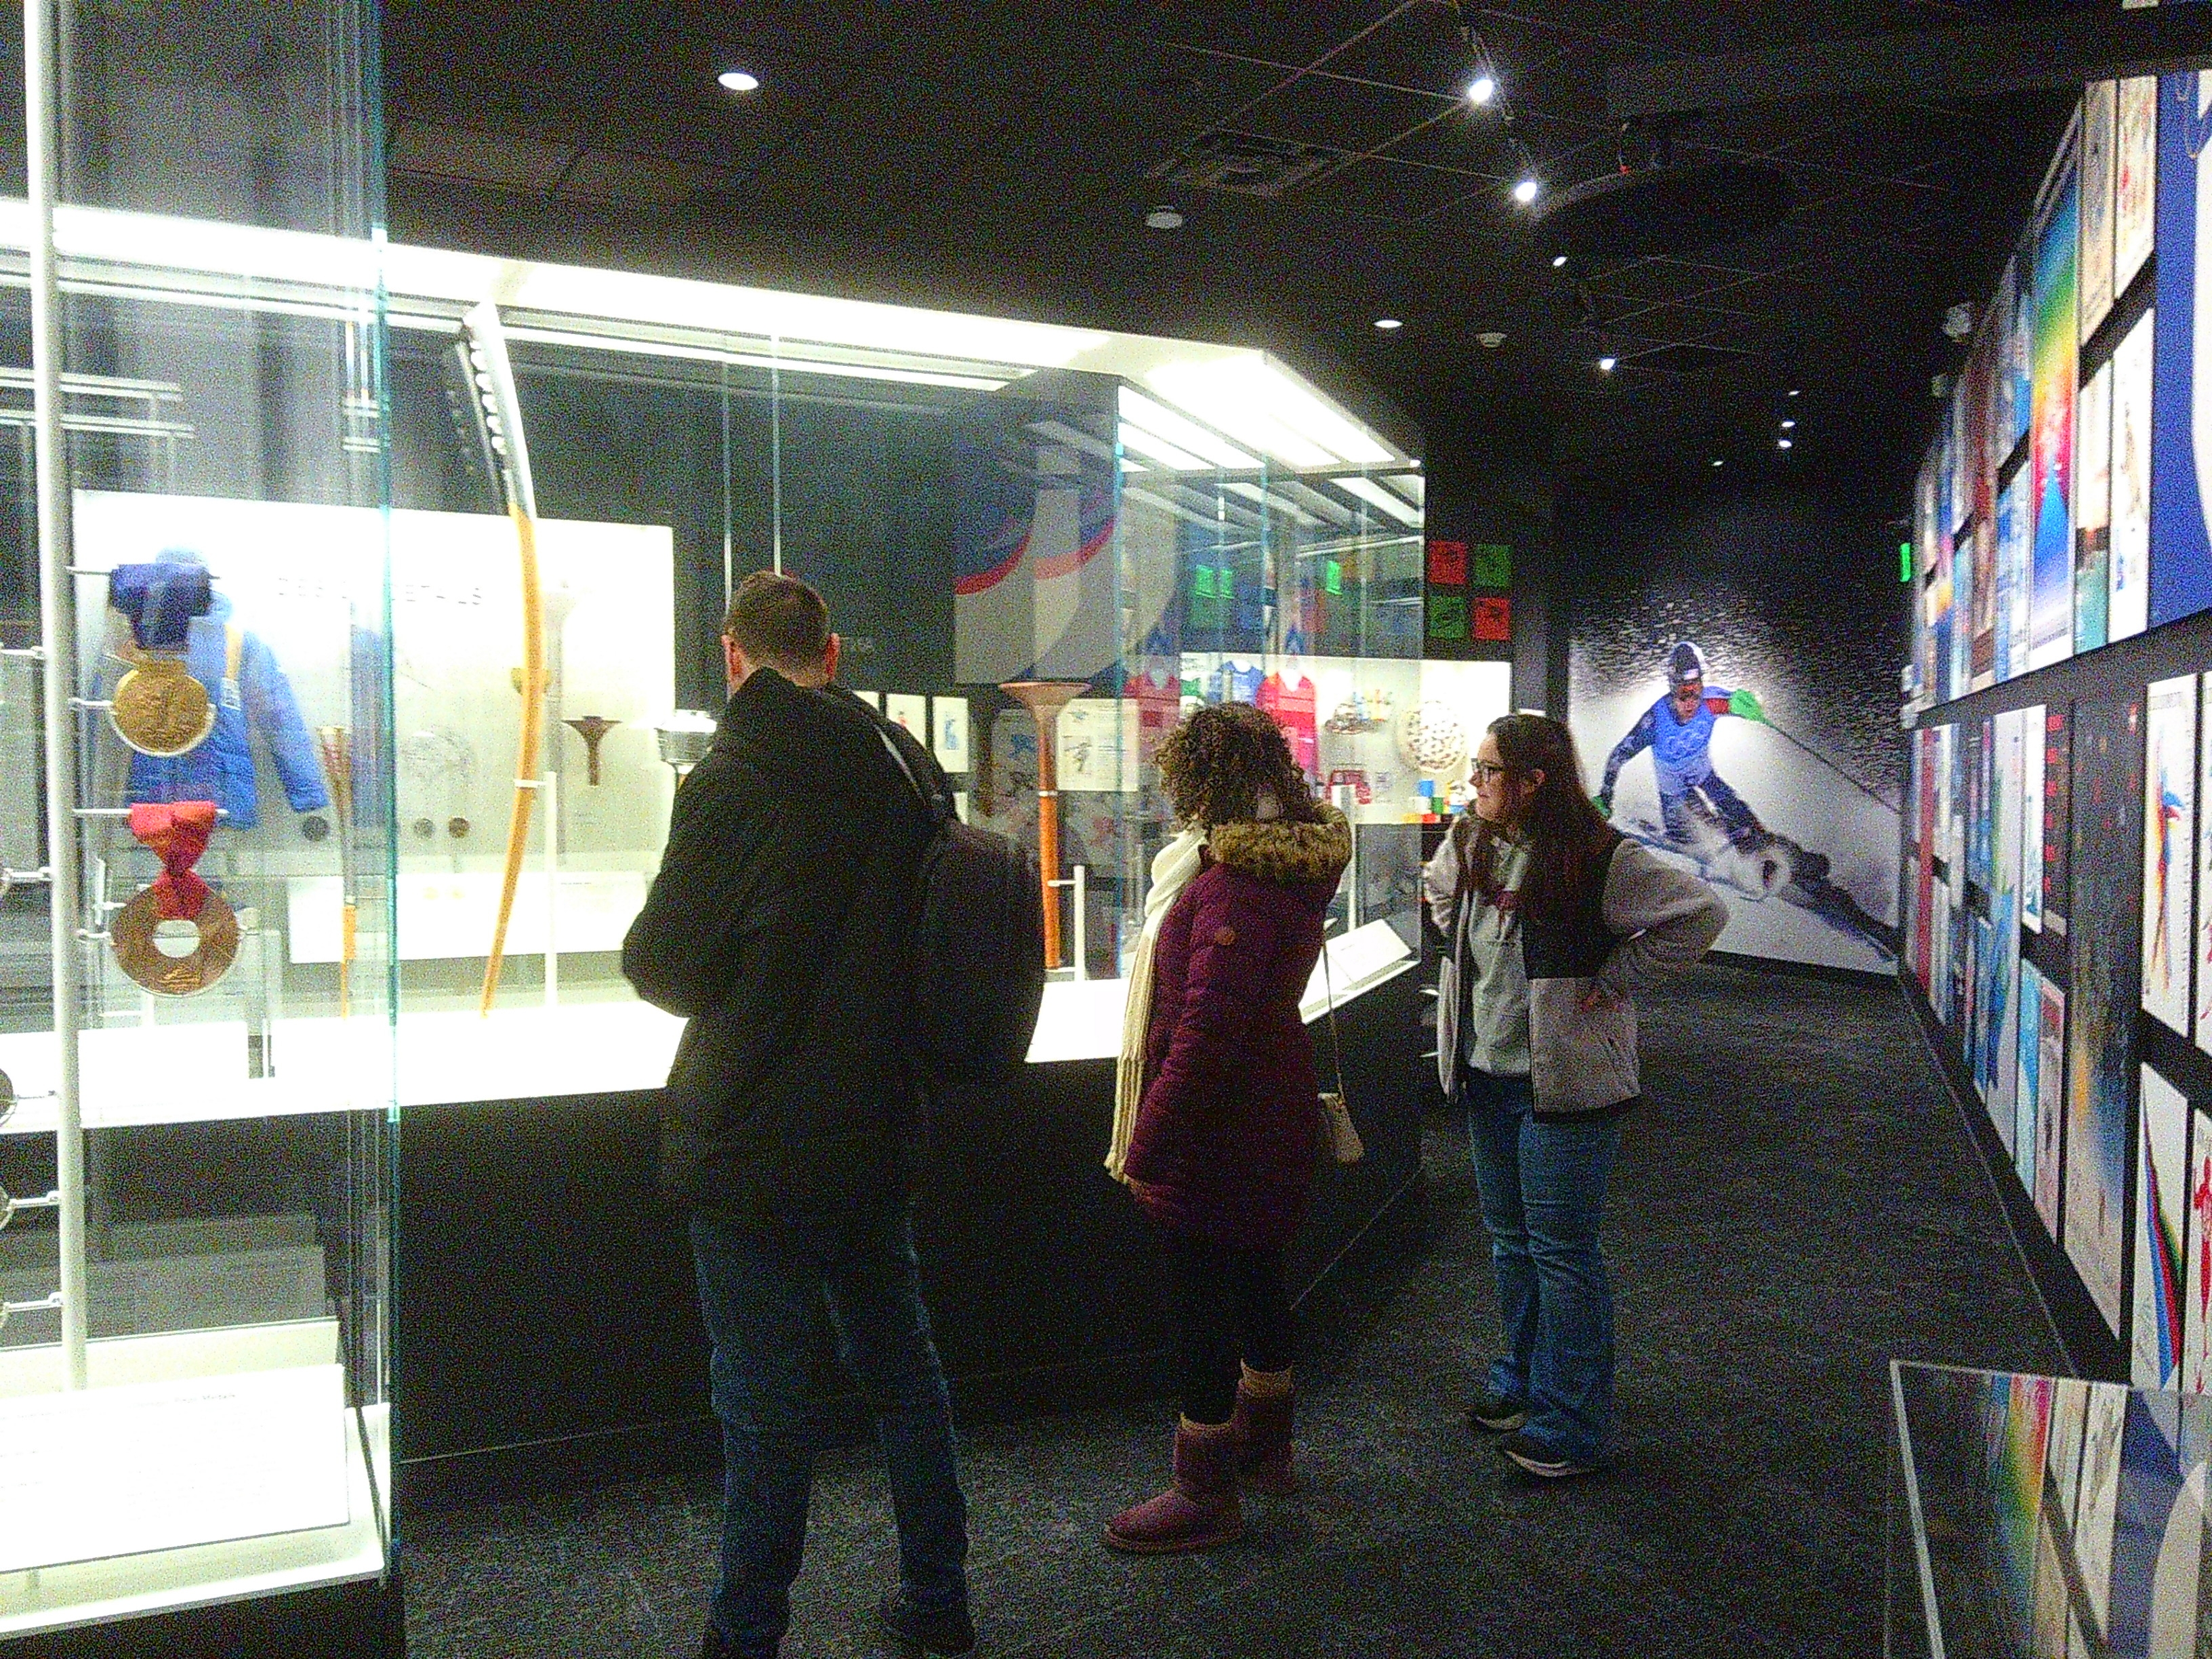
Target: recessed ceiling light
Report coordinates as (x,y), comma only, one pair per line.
(1525,191)
(1605,365)
(1793,391)
(1782,443)
(1386,324)
(1164,218)
(738,80)
(1720,463)
(1557,259)
(1789,426)
(1481,90)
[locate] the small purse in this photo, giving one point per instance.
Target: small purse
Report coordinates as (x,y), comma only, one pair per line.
(1340,1134)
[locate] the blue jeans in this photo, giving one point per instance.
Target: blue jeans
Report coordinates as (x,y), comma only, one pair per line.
(1543,1196)
(763,1292)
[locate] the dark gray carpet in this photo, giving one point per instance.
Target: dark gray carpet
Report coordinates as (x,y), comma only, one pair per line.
(1799,1205)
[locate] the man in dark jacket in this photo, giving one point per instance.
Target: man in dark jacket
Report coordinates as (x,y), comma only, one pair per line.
(778,927)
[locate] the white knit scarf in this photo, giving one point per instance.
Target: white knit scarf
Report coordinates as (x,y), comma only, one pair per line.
(1173,868)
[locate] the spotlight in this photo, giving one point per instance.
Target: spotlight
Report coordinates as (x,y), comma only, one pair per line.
(1387,324)
(738,80)
(1525,191)
(1559,259)
(1482,89)
(1163,217)
(1720,463)
(1792,392)
(1789,426)
(1605,365)
(1783,443)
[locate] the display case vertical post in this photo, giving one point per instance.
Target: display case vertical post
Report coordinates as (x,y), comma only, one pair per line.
(58,628)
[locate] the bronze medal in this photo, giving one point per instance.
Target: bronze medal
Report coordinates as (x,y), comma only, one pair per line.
(160,710)
(136,952)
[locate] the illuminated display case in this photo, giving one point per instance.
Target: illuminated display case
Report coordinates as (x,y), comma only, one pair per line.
(452,535)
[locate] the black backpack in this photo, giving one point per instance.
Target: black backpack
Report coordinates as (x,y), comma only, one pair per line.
(978,947)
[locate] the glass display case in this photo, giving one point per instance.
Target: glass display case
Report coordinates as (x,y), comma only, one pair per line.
(196,1116)
(365,638)
(2035,1517)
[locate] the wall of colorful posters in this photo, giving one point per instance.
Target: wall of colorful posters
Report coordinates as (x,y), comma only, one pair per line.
(2197,1283)
(2050,1106)
(2058,356)
(2136,227)
(2169,854)
(2181,574)
(2093,512)
(2100,133)
(2161,1171)
(2106,942)
(2135,445)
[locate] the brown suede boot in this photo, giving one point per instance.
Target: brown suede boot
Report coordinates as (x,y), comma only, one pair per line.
(1200,1511)
(1262,1423)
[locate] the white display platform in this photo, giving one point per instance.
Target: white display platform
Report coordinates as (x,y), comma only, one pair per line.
(449,915)
(189,1072)
(237,1437)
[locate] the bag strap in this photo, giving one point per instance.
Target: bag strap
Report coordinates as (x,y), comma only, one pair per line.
(935,807)
(1335,1042)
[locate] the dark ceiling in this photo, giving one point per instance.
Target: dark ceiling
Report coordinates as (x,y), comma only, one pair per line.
(1002,157)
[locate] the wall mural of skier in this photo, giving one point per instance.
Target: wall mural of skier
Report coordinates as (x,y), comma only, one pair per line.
(1736,716)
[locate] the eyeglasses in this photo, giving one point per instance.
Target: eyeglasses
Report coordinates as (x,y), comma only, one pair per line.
(1483,771)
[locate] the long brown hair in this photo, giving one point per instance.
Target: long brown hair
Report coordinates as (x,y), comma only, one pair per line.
(1563,831)
(1216,763)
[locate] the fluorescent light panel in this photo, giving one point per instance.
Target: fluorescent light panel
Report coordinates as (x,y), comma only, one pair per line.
(1182,431)
(1375,496)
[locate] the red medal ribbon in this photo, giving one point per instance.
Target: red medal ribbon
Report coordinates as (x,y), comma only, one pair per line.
(176,834)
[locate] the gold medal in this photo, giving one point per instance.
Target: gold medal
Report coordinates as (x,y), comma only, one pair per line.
(160,710)
(132,934)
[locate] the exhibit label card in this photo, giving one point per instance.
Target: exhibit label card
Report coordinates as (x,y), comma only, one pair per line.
(2169,848)
(202,1460)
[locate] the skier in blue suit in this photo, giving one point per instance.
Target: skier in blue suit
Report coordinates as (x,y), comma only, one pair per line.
(251,697)
(1678,730)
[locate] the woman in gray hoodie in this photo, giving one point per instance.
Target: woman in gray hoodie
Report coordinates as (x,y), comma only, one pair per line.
(1553,922)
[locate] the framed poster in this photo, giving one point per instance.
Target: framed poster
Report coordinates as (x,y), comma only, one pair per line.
(2161,1175)
(948,733)
(2057,357)
(2003,965)
(2105,940)
(2058,815)
(1992,600)
(2096,1495)
(2170,860)
(2136,164)
(2100,133)
(2093,511)
(1980,1031)
(2014,572)
(2027,1142)
(2181,570)
(2135,445)
(1929,757)
(2031,822)
(2050,1105)
(2196,1282)
(2018,328)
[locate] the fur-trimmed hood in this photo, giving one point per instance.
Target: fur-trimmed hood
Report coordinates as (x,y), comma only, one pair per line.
(1284,852)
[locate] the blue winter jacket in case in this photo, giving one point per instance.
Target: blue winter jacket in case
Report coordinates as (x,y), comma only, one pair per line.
(258,702)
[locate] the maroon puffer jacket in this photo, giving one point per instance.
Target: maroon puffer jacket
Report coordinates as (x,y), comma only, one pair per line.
(1225,1138)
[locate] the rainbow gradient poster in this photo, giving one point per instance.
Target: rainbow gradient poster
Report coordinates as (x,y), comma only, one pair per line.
(2057,358)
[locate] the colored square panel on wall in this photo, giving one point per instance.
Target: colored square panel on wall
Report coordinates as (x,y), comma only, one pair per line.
(1447,616)
(1447,564)
(1492,617)
(1491,565)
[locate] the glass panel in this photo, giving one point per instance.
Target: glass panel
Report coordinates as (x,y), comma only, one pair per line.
(2035,1517)
(227,480)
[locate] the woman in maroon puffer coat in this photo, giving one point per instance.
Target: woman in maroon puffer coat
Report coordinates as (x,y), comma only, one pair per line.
(1222,1152)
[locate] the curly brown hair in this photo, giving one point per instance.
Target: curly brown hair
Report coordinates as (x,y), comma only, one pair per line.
(1215,765)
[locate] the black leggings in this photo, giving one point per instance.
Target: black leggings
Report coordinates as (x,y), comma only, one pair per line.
(1229,1305)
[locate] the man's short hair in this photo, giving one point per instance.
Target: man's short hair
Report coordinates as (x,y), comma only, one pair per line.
(778,621)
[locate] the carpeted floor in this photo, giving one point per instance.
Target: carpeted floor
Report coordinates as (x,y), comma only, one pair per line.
(1799,1204)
